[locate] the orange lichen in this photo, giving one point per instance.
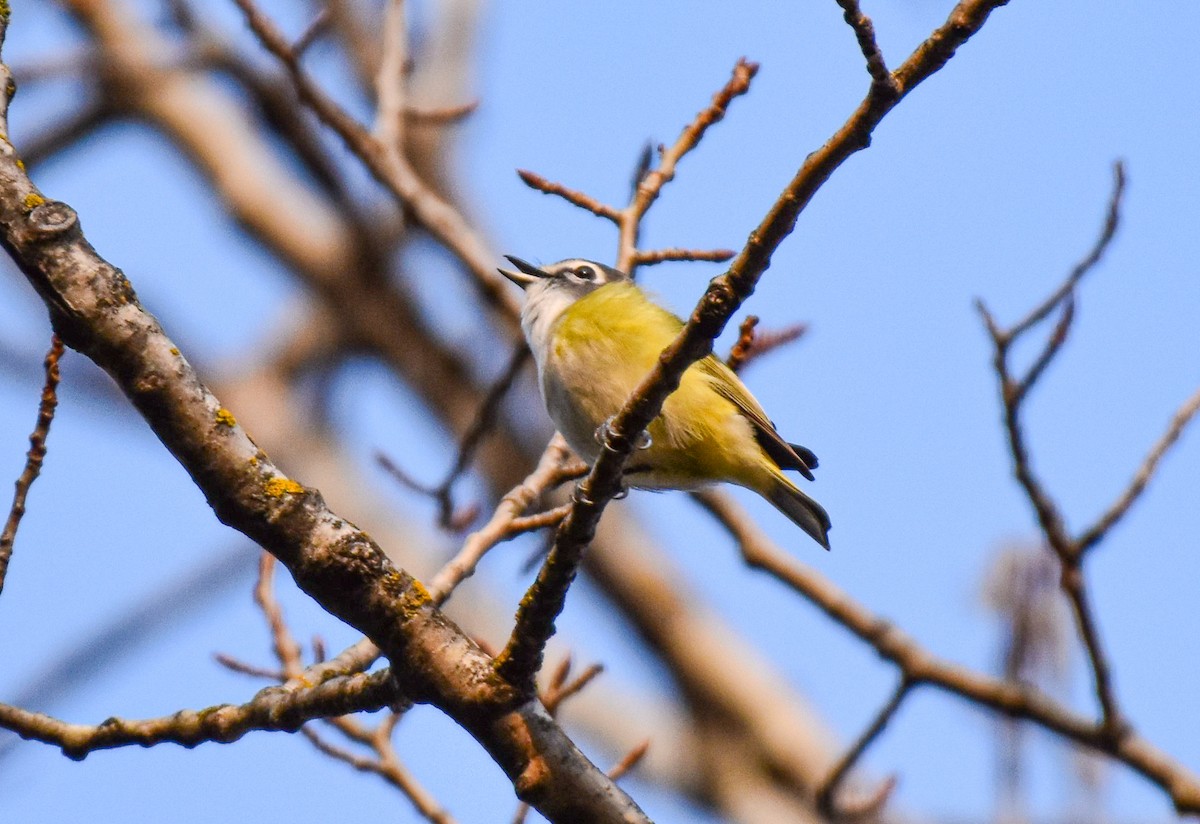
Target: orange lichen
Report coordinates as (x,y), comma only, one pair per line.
(279,486)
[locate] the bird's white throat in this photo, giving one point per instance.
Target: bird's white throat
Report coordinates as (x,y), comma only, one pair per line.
(544,304)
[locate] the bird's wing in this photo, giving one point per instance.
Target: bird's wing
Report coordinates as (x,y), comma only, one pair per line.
(730,387)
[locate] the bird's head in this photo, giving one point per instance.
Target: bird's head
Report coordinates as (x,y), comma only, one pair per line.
(573,278)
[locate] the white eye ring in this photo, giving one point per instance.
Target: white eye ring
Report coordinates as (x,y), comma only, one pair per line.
(585,273)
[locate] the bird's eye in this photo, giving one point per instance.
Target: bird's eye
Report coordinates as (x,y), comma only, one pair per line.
(585,273)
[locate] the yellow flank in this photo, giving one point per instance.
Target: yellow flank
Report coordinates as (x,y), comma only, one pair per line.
(618,332)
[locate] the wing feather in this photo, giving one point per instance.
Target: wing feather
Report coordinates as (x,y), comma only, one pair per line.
(730,387)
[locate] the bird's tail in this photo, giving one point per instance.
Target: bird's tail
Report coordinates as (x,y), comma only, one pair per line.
(803,511)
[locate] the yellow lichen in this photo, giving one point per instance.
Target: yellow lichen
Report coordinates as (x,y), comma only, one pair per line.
(5,10)
(279,486)
(254,460)
(421,595)
(33,200)
(225,418)
(20,164)
(174,351)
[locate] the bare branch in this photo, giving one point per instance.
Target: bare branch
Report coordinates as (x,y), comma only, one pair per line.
(549,472)
(485,420)
(389,80)
(34,457)
(1111,221)
(1182,417)
(388,768)
(752,344)
(273,708)
(246,668)
(826,796)
(630,760)
(441,115)
(650,183)
(315,29)
(864,31)
(655,256)
(573,196)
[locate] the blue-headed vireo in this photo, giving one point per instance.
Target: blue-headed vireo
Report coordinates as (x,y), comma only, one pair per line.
(595,335)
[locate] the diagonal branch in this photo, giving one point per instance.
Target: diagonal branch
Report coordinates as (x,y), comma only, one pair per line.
(1182,417)
(34,457)
(1111,221)
(826,796)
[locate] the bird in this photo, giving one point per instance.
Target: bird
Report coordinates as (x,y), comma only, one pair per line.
(595,335)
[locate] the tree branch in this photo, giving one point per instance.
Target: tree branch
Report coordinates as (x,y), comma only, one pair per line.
(921,667)
(34,457)
(273,708)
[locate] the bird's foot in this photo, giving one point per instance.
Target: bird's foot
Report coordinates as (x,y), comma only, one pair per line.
(605,434)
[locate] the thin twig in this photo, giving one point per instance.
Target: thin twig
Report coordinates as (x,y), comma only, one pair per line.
(390,769)
(385,763)
(650,183)
(560,692)
(753,344)
(1050,350)
(317,27)
(573,196)
(439,115)
(246,668)
(741,349)
(826,796)
(864,32)
(653,257)
(34,457)
(484,421)
(1112,220)
(1179,421)
(390,79)
(630,760)
(548,473)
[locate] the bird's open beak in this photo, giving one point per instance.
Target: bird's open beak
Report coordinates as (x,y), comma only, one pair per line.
(527,273)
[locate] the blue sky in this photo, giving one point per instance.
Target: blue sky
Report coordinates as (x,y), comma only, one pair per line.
(989,181)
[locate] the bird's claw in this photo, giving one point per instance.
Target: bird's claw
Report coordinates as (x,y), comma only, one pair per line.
(605,433)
